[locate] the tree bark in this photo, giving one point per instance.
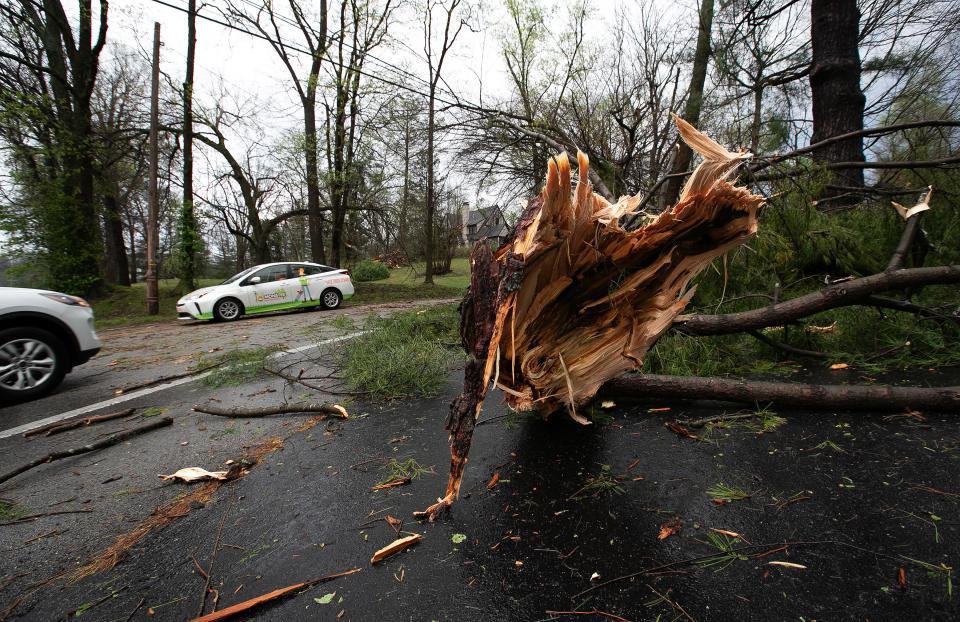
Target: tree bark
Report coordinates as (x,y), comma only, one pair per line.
(189,241)
(694,104)
(853,397)
(843,294)
(117,269)
(837,99)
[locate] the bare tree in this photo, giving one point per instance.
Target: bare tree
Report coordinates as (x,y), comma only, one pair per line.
(266,20)
(453,23)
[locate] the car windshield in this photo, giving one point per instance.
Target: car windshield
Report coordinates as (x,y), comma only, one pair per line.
(238,275)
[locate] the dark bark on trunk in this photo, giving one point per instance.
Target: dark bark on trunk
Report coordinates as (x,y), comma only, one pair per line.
(431,190)
(838,102)
(477,315)
(691,110)
(315,217)
(883,398)
(117,269)
(189,236)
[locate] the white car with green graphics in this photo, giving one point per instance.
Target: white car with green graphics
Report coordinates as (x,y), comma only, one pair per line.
(266,288)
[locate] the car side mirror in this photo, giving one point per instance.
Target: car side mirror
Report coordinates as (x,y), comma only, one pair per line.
(253,280)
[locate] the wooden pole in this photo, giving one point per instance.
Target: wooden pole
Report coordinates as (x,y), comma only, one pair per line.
(153,232)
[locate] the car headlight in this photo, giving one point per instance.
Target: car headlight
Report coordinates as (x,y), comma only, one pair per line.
(67,300)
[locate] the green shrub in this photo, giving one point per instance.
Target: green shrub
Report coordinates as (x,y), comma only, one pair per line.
(369,270)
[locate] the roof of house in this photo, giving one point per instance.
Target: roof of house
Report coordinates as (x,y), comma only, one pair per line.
(489,223)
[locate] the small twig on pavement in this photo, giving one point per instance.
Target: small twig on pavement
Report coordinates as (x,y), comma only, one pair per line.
(286,409)
(213,557)
(60,426)
(114,439)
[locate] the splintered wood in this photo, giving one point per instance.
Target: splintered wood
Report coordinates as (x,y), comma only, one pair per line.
(574,299)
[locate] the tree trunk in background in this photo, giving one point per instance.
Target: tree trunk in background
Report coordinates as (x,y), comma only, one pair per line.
(691,111)
(189,242)
(838,101)
(315,218)
(117,269)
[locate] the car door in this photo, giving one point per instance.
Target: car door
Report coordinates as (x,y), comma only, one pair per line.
(274,290)
(308,284)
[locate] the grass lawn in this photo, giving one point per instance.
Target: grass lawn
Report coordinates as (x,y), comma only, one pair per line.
(127,305)
(407,284)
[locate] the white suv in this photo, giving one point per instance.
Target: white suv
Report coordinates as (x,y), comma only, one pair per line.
(43,335)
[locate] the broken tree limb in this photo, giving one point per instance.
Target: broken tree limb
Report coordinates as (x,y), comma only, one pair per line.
(111,440)
(848,293)
(57,428)
(246,605)
(334,410)
(574,298)
(854,397)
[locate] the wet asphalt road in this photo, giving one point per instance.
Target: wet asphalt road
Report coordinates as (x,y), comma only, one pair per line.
(141,353)
(852,498)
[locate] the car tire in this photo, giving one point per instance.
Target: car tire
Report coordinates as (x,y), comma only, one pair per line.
(34,359)
(227,310)
(330,298)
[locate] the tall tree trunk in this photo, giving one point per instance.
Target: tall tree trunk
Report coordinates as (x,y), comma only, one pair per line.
(691,111)
(430,203)
(131,228)
(189,236)
(117,271)
(315,216)
(838,102)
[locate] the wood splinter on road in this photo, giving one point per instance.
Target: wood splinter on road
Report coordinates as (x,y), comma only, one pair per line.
(575,299)
(395,547)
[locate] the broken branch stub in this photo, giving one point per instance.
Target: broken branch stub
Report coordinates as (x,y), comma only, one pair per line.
(589,298)
(575,299)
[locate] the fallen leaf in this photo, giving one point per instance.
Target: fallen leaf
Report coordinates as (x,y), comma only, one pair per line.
(821,329)
(669,528)
(724,532)
(457,538)
(326,599)
(679,430)
(902,578)
(839,366)
(607,404)
(493,480)
(659,410)
(195,474)
(395,547)
(518,563)
(721,501)
(787,565)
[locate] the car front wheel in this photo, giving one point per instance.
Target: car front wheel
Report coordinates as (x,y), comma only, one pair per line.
(227,310)
(330,299)
(32,363)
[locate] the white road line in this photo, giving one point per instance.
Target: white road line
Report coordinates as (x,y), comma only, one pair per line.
(147,391)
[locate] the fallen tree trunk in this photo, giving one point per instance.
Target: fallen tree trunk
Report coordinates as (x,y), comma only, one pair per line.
(574,300)
(841,397)
(857,291)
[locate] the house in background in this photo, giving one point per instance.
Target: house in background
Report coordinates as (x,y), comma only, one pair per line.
(487,222)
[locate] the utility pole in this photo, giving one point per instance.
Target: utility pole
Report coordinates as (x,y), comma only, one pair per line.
(153,230)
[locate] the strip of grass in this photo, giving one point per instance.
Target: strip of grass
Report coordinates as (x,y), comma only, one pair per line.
(405,355)
(128,305)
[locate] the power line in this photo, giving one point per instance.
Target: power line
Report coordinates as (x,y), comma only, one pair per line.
(454,104)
